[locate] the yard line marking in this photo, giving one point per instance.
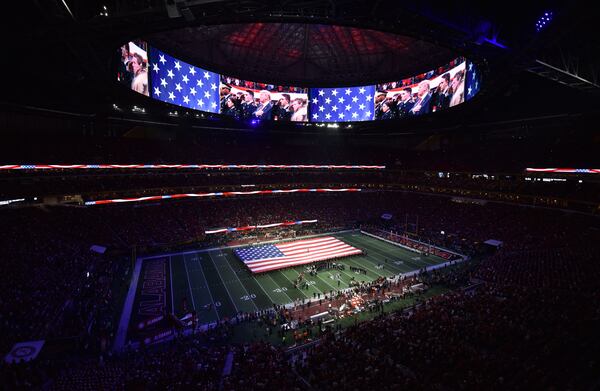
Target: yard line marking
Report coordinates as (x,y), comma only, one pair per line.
(277,285)
(222,281)
(347,274)
(376,248)
(171,278)
(300,290)
(361,265)
(189,285)
(250,278)
(240,282)
(377,251)
(207,287)
(326,283)
(315,285)
(381,245)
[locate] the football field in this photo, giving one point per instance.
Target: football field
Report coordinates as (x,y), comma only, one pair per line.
(218,285)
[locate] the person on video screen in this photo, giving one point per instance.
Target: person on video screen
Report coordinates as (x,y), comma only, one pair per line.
(125,75)
(265,106)
(232,107)
(423,104)
(224,93)
(248,105)
(283,110)
(388,109)
(379,99)
(300,113)
(458,88)
(140,75)
(406,102)
(441,97)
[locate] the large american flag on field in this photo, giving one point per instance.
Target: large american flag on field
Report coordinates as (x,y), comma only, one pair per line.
(342,104)
(179,83)
(299,252)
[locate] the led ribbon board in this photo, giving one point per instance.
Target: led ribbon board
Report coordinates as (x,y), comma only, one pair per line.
(262,226)
(187,166)
(565,170)
(216,194)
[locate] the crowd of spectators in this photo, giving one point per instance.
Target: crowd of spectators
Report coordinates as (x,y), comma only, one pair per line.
(538,299)
(188,362)
(491,339)
(123,183)
(53,285)
(575,193)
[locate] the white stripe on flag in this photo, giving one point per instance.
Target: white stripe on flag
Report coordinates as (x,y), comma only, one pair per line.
(304,261)
(303,252)
(298,249)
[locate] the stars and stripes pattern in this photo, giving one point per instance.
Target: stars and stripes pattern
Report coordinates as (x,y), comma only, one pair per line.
(299,252)
(215,194)
(472,81)
(260,226)
(565,170)
(179,83)
(342,104)
(186,166)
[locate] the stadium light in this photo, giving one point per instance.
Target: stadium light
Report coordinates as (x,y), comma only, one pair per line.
(543,20)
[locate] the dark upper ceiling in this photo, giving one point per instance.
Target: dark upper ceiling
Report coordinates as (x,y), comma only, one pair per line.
(62,59)
(302,54)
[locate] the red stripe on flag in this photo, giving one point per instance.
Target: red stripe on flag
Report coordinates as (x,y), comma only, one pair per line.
(301,252)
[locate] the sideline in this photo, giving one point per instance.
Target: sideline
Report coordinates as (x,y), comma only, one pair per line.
(126,314)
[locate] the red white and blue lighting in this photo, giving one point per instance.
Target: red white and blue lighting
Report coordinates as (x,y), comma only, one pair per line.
(217,194)
(189,166)
(565,170)
(260,226)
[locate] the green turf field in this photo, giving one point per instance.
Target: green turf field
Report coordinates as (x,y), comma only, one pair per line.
(218,277)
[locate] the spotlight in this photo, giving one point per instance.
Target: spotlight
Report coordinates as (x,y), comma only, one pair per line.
(543,20)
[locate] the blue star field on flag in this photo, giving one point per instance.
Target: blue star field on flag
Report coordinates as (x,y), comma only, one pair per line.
(258,252)
(473,80)
(342,104)
(179,83)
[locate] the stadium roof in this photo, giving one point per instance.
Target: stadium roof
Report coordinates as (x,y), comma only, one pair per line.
(302,53)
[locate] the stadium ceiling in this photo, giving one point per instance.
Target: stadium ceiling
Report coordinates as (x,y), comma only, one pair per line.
(428,31)
(302,53)
(68,46)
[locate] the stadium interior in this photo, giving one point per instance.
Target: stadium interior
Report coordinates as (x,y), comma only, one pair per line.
(313,195)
